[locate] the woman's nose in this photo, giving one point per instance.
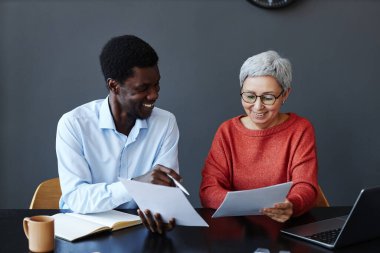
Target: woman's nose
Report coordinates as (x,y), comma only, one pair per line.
(258,105)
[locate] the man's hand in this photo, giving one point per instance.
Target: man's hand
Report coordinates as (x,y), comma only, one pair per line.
(280,212)
(159,175)
(154,222)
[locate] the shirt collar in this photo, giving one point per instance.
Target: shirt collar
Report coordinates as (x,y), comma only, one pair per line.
(106,119)
(141,123)
(105,116)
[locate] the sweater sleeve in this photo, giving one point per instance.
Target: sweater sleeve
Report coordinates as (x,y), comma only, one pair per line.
(215,174)
(303,171)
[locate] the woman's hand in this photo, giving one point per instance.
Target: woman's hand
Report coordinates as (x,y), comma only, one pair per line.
(279,212)
(154,222)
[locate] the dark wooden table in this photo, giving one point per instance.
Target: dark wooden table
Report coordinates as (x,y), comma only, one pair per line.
(228,234)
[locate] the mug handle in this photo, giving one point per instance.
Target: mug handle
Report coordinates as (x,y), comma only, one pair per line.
(25,224)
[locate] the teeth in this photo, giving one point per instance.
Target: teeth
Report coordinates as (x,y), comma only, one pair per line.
(148,105)
(259,114)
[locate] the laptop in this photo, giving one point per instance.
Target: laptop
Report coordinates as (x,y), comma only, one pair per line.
(362,224)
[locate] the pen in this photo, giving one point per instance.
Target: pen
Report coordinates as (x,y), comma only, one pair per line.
(178,184)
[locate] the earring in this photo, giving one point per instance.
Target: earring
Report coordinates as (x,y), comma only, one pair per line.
(283,102)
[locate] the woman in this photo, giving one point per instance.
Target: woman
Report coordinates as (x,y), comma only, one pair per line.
(265,146)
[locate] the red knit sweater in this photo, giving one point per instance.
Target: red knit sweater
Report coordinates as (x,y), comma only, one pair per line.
(242,159)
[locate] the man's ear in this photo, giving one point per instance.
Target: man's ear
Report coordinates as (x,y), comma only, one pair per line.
(113,85)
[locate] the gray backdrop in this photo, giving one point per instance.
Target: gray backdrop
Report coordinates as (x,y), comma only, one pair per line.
(49,65)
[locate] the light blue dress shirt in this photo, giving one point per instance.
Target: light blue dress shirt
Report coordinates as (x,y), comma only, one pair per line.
(92,154)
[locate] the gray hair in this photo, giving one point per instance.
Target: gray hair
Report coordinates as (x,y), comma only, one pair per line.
(268,63)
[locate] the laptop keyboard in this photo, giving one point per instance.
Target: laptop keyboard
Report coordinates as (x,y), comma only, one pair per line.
(328,237)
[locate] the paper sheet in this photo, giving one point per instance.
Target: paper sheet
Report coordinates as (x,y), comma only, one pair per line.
(250,202)
(170,202)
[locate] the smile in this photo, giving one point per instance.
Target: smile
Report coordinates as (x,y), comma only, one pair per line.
(148,105)
(259,115)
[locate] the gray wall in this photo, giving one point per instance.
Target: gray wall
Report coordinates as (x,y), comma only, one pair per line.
(49,65)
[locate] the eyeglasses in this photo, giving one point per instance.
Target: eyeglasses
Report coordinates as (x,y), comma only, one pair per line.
(266,99)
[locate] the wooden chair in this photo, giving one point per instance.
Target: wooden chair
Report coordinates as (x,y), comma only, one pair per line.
(321,199)
(47,195)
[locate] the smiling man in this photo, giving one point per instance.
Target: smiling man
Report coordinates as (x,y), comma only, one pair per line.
(123,135)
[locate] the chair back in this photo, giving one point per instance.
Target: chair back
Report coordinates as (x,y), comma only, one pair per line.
(321,199)
(47,195)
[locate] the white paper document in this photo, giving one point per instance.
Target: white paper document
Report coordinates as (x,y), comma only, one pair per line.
(170,202)
(250,202)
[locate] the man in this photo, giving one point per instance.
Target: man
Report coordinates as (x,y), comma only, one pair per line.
(123,135)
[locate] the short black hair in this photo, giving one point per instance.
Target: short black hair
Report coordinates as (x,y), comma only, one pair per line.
(121,54)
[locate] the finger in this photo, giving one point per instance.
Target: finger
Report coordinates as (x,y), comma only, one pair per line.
(158,177)
(270,215)
(162,168)
(286,204)
(161,178)
(163,227)
(273,211)
(278,215)
(278,212)
(282,208)
(274,217)
(169,171)
(159,223)
(280,205)
(171,224)
(150,221)
(282,218)
(278,218)
(175,175)
(285,208)
(283,205)
(143,219)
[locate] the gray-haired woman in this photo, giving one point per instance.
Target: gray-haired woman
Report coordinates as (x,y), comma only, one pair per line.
(265,146)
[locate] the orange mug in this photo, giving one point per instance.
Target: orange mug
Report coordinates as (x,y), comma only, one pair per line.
(40,232)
